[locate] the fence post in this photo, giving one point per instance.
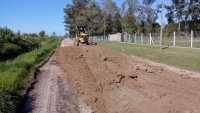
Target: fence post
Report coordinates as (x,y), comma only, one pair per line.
(150,39)
(174,38)
(191,39)
(135,39)
(142,39)
(129,36)
(125,37)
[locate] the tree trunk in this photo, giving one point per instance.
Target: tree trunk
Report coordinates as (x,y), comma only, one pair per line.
(179,26)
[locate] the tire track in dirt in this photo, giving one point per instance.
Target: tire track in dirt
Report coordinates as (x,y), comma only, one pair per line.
(113,82)
(52,94)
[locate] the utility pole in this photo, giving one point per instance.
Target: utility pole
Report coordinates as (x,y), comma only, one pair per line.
(104,29)
(161,25)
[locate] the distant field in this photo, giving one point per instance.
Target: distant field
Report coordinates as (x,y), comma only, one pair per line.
(185,58)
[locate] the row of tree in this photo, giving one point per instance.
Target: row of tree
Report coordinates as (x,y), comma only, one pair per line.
(13,44)
(131,17)
(8,32)
(183,16)
(41,34)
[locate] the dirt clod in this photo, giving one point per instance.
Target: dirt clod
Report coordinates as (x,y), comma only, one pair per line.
(119,78)
(133,76)
(150,70)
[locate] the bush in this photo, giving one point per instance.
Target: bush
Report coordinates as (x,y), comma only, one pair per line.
(8,102)
(12,45)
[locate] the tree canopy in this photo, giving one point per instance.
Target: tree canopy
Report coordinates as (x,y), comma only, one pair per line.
(132,16)
(42,33)
(183,16)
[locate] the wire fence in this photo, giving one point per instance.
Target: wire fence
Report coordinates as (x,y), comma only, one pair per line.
(101,38)
(191,39)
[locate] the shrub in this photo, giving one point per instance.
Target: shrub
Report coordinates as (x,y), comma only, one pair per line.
(8,102)
(12,45)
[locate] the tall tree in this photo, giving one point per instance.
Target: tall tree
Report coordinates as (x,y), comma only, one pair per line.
(117,23)
(150,15)
(132,5)
(83,12)
(53,34)
(111,9)
(191,13)
(130,23)
(178,6)
(42,33)
(122,12)
(94,18)
(170,14)
(74,14)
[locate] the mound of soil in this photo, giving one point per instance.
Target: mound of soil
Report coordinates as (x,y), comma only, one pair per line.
(113,82)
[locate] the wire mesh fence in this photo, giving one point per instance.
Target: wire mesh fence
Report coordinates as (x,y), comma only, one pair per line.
(190,39)
(100,38)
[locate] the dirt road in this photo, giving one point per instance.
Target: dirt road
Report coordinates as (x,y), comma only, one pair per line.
(112,82)
(52,94)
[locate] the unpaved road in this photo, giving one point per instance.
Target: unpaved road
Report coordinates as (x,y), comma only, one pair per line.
(52,94)
(111,82)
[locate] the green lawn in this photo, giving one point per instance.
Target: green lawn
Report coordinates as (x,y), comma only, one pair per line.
(184,58)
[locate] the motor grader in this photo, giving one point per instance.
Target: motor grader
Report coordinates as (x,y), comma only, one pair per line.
(82,37)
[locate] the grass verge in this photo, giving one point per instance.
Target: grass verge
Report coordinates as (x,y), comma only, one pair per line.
(184,58)
(16,75)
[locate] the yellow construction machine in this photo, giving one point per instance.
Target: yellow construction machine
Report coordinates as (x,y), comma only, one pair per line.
(82,37)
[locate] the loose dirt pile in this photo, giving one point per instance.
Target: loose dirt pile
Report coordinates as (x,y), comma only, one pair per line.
(113,82)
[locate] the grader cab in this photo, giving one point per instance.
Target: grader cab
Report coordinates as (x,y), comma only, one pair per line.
(82,37)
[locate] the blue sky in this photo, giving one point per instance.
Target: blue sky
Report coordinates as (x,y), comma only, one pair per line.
(32,16)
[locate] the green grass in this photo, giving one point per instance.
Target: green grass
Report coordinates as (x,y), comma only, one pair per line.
(16,75)
(184,58)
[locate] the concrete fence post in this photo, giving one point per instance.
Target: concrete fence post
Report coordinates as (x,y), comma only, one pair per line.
(129,36)
(174,38)
(135,39)
(191,39)
(150,39)
(142,42)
